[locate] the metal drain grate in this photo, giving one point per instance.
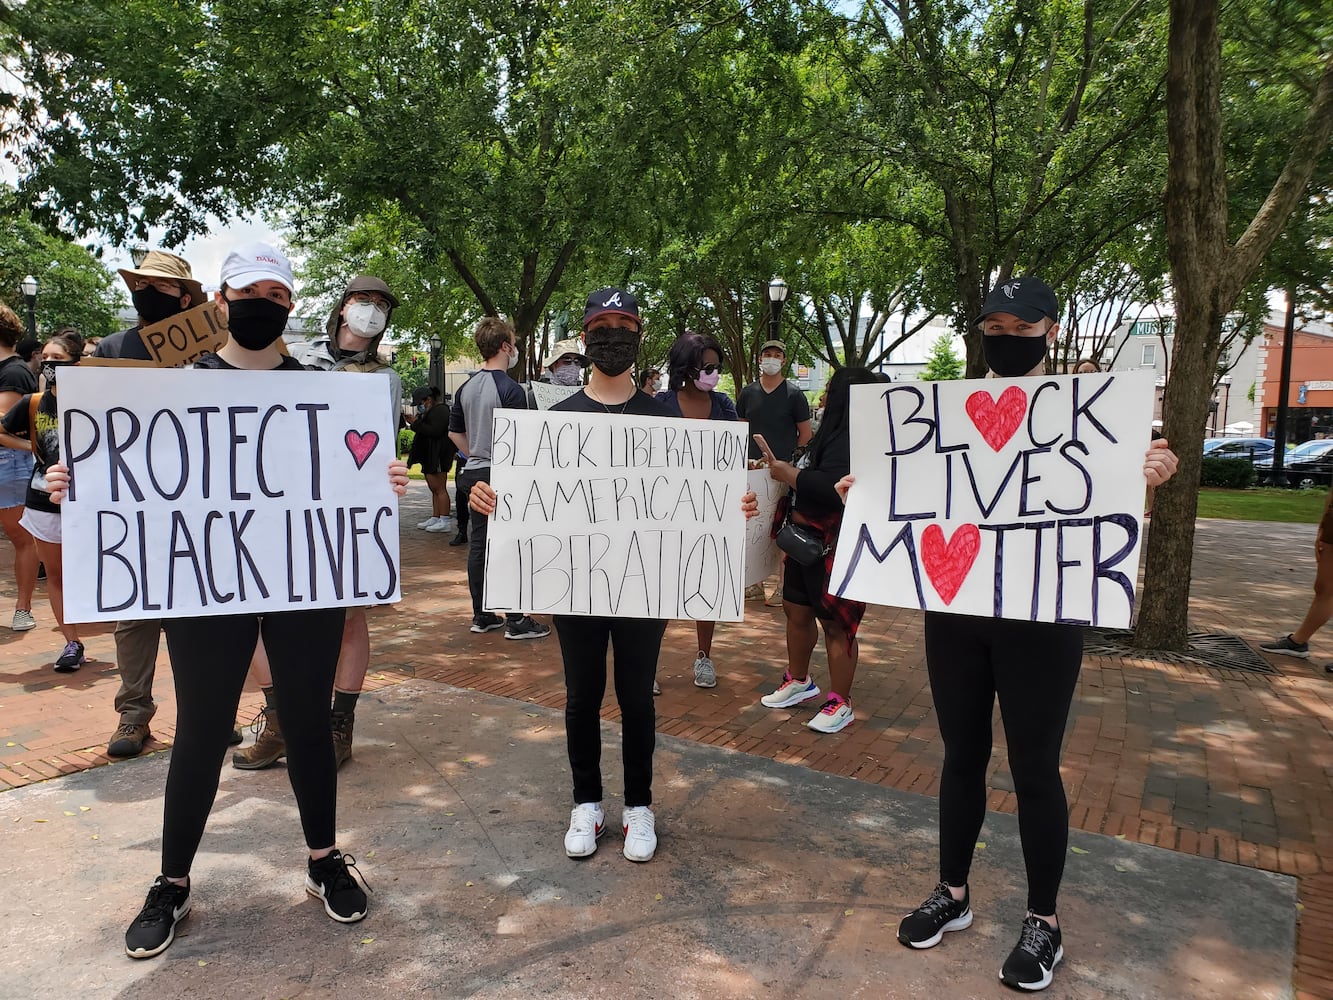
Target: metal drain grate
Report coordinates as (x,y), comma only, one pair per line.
(1211,649)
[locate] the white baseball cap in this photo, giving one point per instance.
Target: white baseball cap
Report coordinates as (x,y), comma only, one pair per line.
(252,262)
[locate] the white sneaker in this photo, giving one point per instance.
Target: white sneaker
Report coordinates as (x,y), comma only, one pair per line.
(835,716)
(705,676)
(587,822)
(439,524)
(425,525)
(792,692)
(640,838)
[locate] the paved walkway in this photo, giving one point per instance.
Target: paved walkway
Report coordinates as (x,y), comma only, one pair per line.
(1221,764)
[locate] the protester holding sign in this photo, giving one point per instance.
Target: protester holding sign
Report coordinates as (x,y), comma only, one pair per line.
(37,417)
(210,656)
(612,332)
(16,381)
(813,513)
(694,367)
(161,287)
(1032,667)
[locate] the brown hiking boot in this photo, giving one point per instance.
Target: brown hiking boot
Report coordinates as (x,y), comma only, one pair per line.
(128,740)
(341,723)
(268,746)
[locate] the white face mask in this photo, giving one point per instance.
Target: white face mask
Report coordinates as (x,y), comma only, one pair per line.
(513,358)
(770,366)
(365,319)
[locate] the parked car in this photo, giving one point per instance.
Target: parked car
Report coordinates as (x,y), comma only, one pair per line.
(1307,465)
(1231,447)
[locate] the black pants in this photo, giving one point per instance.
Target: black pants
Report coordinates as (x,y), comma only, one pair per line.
(461,490)
(476,551)
(209,660)
(635,644)
(1033,668)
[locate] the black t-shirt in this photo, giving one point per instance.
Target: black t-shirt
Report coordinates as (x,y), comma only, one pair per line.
(16,376)
(774,415)
(47,441)
(212,361)
(126,344)
(640,405)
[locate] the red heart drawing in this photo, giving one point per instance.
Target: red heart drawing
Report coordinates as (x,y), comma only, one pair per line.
(948,563)
(361,445)
(997,419)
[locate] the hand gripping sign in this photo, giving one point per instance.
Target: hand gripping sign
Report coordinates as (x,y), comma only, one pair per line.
(217,492)
(1007,498)
(608,514)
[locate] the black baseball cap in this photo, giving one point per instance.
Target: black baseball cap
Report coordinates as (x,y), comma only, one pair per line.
(425,392)
(611,302)
(1030,299)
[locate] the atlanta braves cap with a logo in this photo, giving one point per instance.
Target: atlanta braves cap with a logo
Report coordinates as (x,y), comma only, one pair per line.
(612,302)
(1030,299)
(252,262)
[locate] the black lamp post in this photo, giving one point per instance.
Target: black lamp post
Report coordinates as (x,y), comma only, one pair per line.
(434,377)
(137,254)
(29,286)
(777,294)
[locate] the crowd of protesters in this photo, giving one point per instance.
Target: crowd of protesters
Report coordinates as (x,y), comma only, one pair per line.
(310,664)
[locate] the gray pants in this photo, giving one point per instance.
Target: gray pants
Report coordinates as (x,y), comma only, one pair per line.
(136,659)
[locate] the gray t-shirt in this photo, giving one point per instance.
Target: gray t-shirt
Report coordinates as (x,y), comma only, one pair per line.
(473,405)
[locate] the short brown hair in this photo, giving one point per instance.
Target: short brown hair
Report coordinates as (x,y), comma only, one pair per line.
(11,327)
(492,333)
(70,339)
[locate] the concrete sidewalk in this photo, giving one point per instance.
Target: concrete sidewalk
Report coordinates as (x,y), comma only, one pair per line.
(771,880)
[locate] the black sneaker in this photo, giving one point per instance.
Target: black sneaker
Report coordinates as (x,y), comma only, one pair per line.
(924,926)
(1032,963)
(71,658)
(526,628)
(154,928)
(487,622)
(458,540)
(330,879)
(1287,646)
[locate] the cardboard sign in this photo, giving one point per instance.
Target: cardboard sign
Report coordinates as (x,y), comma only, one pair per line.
(1008,498)
(186,337)
(607,514)
(762,555)
(225,492)
(548,394)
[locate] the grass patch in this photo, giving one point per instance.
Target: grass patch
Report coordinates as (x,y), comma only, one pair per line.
(1264,504)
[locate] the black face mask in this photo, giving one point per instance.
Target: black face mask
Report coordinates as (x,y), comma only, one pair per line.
(255,323)
(49,369)
(155,306)
(611,349)
(1013,357)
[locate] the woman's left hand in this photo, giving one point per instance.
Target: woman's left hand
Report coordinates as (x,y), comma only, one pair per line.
(750,504)
(1160,463)
(398,478)
(57,481)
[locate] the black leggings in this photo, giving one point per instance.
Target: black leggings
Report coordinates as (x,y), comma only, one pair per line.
(1033,668)
(635,644)
(476,552)
(209,660)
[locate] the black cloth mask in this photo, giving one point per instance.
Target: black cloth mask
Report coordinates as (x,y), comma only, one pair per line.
(49,369)
(155,306)
(255,323)
(1013,357)
(611,349)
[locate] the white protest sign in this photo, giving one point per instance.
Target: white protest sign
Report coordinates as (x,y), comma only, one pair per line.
(608,514)
(547,394)
(1008,498)
(224,492)
(762,555)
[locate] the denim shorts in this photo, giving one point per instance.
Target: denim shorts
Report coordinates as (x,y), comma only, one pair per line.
(15,472)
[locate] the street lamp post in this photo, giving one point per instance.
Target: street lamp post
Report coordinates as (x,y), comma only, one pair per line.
(29,286)
(777,294)
(434,377)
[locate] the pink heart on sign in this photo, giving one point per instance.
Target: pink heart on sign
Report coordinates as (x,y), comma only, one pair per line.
(361,445)
(948,563)
(997,419)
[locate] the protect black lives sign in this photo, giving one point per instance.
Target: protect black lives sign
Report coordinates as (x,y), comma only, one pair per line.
(223,492)
(1007,498)
(614,515)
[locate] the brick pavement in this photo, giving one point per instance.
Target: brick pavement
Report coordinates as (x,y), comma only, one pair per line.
(1222,764)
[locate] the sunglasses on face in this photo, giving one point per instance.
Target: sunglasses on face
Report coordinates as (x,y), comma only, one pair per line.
(710,370)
